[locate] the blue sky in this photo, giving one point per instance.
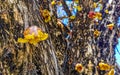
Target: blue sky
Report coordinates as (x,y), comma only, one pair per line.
(62,13)
(117,54)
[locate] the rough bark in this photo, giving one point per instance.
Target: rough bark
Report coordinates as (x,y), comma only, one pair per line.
(55,56)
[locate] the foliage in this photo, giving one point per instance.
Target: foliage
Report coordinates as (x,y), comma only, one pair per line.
(80,42)
(33,35)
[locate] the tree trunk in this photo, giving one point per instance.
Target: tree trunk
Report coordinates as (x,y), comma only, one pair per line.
(54,56)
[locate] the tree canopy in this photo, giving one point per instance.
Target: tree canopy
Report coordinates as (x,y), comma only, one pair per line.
(59,37)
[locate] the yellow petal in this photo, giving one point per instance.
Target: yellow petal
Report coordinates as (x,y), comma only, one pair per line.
(110,25)
(94,5)
(53,3)
(40,33)
(104,66)
(78,67)
(33,41)
(47,19)
(96,33)
(99,18)
(37,39)
(29,36)
(79,8)
(44,37)
(111,72)
(21,40)
(106,11)
(99,14)
(45,11)
(72,17)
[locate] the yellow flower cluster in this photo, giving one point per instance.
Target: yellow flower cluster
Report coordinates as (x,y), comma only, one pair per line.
(104,66)
(46,15)
(33,35)
(78,67)
(98,15)
(96,33)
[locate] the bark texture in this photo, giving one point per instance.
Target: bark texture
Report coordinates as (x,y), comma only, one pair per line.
(55,56)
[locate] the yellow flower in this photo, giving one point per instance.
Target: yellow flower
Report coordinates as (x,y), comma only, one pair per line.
(72,17)
(110,26)
(21,40)
(96,33)
(47,19)
(78,67)
(106,11)
(79,8)
(94,5)
(29,36)
(53,2)
(111,72)
(59,3)
(33,35)
(98,15)
(76,1)
(46,15)
(103,66)
(34,42)
(42,36)
(100,18)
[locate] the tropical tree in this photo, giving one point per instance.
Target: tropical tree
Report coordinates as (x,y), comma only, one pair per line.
(36,40)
